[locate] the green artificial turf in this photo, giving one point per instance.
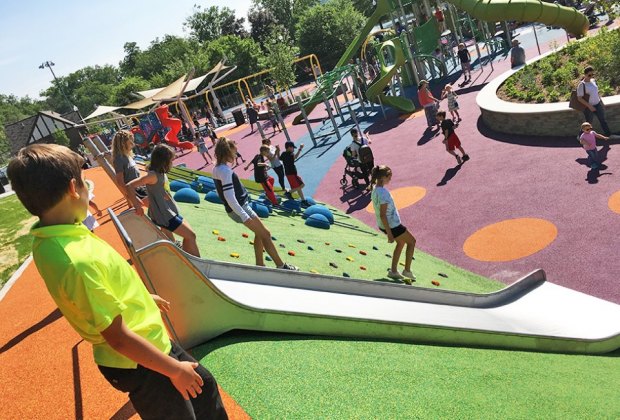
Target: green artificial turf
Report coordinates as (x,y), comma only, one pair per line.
(289,376)
(15,240)
(347,235)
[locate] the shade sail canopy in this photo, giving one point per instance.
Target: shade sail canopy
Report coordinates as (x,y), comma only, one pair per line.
(101,110)
(150,92)
(173,90)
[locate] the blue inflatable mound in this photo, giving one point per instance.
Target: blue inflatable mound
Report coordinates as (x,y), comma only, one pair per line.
(319,209)
(260,209)
(291,205)
(212,197)
(265,202)
(187,195)
(311,201)
(204,184)
(177,185)
(318,221)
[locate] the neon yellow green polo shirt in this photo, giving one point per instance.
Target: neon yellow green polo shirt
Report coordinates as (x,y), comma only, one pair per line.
(92,284)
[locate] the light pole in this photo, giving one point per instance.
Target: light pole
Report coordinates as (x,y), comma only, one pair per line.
(49,65)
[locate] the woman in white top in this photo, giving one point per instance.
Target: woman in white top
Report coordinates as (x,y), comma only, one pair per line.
(237,203)
(594,103)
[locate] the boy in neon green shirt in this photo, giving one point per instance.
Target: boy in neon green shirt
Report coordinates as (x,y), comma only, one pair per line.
(102,297)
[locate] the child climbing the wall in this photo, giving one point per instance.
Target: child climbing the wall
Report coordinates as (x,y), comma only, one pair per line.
(453,105)
(260,173)
(163,210)
(389,223)
(202,148)
(465,59)
(237,203)
(451,140)
(288,158)
(124,164)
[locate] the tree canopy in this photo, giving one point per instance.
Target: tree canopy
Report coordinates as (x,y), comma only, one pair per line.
(213,22)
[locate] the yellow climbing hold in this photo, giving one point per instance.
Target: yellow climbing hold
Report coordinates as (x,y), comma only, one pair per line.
(352,246)
(350,259)
(251,242)
(234,255)
(313,271)
(215,232)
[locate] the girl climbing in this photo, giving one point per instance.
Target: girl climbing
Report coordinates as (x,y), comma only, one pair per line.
(389,223)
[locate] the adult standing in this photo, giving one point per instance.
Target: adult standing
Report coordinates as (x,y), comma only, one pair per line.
(593,103)
(517,54)
(429,102)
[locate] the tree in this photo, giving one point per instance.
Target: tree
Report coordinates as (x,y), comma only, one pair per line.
(13,109)
(61,138)
(125,91)
(327,30)
(365,7)
(285,12)
(127,66)
(262,22)
(245,53)
(211,23)
(279,57)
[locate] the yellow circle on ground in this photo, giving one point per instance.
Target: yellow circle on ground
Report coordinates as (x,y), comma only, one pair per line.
(510,240)
(403,197)
(614,202)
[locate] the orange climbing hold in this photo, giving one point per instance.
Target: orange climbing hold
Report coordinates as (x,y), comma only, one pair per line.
(291,253)
(221,238)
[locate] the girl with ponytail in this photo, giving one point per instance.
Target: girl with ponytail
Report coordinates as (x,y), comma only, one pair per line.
(389,223)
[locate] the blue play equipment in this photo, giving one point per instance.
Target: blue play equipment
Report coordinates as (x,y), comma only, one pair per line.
(176,185)
(203,184)
(318,221)
(291,205)
(319,209)
(187,195)
(260,209)
(212,197)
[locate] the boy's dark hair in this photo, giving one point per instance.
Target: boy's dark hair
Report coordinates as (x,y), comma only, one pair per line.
(354,131)
(161,159)
(588,69)
(40,175)
(441,114)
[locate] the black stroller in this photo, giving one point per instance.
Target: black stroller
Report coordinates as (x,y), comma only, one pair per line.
(358,168)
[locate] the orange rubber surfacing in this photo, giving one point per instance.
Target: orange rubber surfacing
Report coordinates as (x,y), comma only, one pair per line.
(614,202)
(510,240)
(403,197)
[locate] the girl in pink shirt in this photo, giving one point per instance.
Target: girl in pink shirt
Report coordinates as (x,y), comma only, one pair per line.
(588,141)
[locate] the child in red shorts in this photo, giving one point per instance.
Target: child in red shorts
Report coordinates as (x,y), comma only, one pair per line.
(288,158)
(260,173)
(451,140)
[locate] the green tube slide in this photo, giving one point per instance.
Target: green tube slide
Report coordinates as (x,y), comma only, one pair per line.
(526,11)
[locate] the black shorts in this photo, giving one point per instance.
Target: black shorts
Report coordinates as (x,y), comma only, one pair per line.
(396,231)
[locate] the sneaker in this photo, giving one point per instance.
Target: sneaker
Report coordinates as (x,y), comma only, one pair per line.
(465,158)
(288,195)
(179,244)
(409,275)
(395,275)
(287,266)
(458,160)
(304,203)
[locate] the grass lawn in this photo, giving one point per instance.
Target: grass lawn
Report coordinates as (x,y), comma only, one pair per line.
(306,377)
(15,240)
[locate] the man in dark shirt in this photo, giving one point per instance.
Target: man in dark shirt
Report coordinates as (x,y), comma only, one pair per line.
(288,158)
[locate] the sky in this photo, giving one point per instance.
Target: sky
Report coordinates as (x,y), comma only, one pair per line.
(74,34)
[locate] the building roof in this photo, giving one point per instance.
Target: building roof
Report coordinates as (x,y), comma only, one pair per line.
(36,128)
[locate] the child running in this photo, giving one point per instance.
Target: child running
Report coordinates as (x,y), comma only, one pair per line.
(260,173)
(102,296)
(124,165)
(199,142)
(588,142)
(453,105)
(388,221)
(236,201)
(272,117)
(276,164)
(288,158)
(163,210)
(451,140)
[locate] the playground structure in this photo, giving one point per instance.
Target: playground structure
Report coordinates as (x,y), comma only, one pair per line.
(407,58)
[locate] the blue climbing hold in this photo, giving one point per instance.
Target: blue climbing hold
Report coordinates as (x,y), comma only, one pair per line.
(187,195)
(212,197)
(206,183)
(273,238)
(345,275)
(176,185)
(260,209)
(310,248)
(310,201)
(375,247)
(319,209)
(291,205)
(268,258)
(318,221)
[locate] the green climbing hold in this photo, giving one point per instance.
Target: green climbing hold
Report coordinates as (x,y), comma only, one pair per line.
(345,275)
(268,258)
(333,264)
(310,248)
(338,250)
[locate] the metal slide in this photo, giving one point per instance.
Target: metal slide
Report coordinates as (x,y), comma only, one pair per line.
(209,298)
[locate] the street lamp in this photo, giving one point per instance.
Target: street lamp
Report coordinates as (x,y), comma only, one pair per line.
(49,65)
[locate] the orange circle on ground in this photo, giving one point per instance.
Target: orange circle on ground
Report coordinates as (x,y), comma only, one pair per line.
(510,240)
(614,202)
(403,197)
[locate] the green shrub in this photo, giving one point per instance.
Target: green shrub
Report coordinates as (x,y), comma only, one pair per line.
(552,78)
